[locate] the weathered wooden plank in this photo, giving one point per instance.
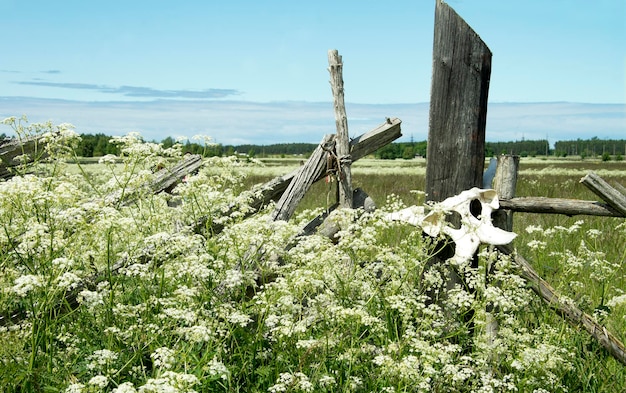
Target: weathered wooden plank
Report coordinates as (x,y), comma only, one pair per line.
(11,148)
(567,310)
(314,167)
(164,180)
(344,173)
(458,107)
(360,147)
(568,207)
(505,183)
(457,119)
(601,188)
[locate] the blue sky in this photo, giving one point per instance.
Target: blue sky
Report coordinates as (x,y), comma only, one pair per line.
(256,71)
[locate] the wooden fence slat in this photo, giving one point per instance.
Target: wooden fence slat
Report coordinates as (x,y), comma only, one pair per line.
(601,188)
(458,107)
(344,174)
(12,147)
(505,183)
(314,168)
(455,155)
(568,207)
(360,147)
(567,310)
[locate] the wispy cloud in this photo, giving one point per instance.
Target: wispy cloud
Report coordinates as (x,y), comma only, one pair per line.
(241,122)
(51,72)
(136,91)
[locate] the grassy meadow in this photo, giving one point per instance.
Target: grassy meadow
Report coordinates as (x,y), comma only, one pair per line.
(117,290)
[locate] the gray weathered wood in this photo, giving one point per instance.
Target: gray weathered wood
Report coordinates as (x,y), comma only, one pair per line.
(568,207)
(164,180)
(620,188)
(330,227)
(458,107)
(314,168)
(567,310)
(601,188)
(361,146)
(457,120)
(344,174)
(11,148)
(505,183)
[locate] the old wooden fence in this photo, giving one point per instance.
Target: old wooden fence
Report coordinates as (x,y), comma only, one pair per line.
(456,138)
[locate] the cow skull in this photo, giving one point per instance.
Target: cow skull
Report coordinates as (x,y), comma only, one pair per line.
(473,230)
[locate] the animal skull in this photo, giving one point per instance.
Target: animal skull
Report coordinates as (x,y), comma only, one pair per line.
(473,230)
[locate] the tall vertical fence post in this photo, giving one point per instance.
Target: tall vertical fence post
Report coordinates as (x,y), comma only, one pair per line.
(458,113)
(504,183)
(458,107)
(344,174)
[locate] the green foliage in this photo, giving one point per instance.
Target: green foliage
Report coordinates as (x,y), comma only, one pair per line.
(405,150)
(591,147)
(522,148)
(606,157)
(173,309)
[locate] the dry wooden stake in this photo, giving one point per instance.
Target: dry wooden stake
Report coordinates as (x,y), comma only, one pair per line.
(344,174)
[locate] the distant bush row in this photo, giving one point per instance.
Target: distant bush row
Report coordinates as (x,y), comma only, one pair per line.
(97,145)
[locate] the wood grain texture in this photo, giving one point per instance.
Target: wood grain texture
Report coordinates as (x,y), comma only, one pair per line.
(601,188)
(568,207)
(344,174)
(458,107)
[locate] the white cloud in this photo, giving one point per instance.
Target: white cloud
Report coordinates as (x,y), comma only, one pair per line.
(239,122)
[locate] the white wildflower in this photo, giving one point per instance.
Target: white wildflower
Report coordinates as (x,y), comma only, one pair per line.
(25,284)
(126,387)
(239,318)
(326,380)
(616,301)
(196,333)
(218,369)
(534,228)
(234,278)
(68,280)
(537,245)
(99,381)
(101,359)
(75,388)
(163,358)
(90,298)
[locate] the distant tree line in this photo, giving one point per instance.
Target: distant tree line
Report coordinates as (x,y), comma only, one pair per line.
(521,148)
(97,145)
(591,148)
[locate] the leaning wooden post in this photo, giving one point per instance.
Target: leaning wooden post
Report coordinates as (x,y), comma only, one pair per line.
(344,175)
(458,112)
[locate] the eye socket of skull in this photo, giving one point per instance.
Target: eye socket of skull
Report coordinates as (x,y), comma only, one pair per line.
(476,208)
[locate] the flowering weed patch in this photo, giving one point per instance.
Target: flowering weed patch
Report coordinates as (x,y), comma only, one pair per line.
(162,308)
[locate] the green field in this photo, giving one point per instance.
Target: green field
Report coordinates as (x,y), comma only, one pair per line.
(160,307)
